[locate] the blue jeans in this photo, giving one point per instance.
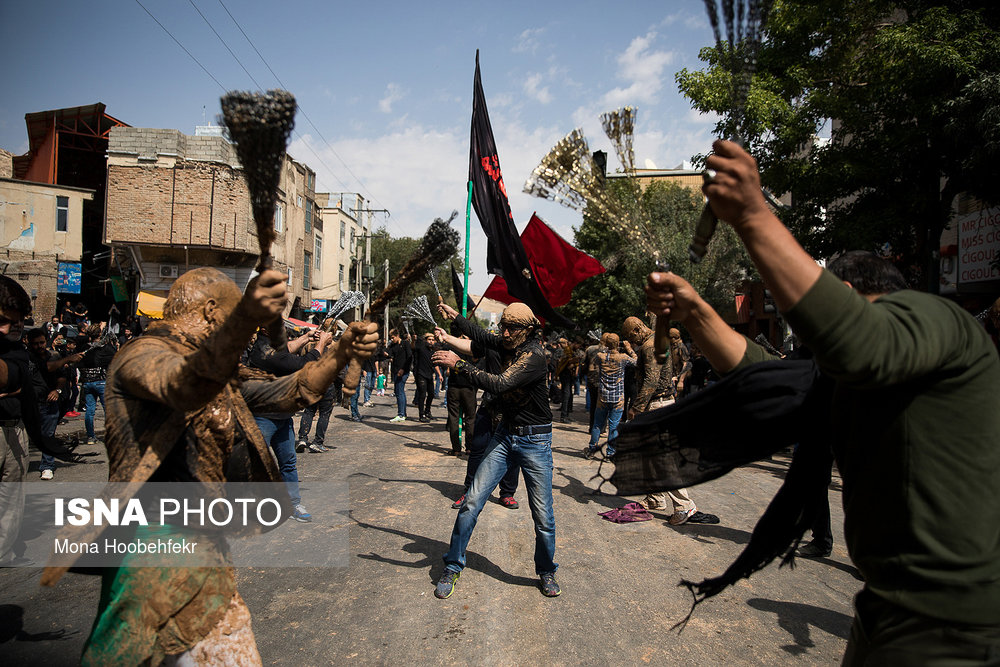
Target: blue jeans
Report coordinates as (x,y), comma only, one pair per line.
(354,406)
(482,433)
(399,388)
(279,434)
(325,407)
(534,454)
(91,392)
(50,413)
(612,415)
(369,386)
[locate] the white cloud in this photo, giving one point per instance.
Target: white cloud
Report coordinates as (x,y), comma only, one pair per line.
(420,173)
(642,66)
(533,88)
(527,41)
(393,94)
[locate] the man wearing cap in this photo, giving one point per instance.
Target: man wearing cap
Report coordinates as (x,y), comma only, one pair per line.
(523,436)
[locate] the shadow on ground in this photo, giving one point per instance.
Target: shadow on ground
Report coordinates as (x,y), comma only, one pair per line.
(433,551)
(796,618)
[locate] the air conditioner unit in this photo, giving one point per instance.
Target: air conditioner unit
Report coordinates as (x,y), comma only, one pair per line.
(168,270)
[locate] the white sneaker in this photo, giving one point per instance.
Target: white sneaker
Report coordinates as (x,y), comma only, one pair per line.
(397,419)
(46,474)
(368,404)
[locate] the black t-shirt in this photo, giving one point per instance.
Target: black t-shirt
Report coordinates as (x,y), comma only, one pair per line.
(422,360)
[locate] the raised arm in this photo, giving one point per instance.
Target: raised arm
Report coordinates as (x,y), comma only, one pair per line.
(670,296)
(735,196)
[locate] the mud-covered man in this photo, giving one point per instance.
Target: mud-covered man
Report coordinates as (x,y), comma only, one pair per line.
(524,436)
(178,411)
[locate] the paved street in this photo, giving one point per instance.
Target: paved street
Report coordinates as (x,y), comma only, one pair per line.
(620,595)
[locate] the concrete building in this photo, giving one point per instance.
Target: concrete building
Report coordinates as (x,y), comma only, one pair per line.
(343,250)
(41,234)
(177,202)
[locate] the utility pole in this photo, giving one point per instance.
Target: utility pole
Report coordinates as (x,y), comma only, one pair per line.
(363,267)
(386,328)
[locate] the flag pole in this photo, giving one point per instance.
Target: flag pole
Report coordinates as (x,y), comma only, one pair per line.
(468,222)
(465,284)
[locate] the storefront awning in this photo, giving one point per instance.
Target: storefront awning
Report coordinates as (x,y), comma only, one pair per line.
(149,303)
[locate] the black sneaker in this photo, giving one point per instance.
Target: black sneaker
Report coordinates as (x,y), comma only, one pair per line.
(812,551)
(458,503)
(550,588)
(446,584)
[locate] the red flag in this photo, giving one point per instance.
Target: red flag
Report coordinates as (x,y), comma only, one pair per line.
(557,265)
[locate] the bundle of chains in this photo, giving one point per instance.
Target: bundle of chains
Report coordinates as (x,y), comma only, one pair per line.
(419,310)
(260,125)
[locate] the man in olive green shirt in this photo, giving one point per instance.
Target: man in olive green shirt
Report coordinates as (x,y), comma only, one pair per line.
(916,424)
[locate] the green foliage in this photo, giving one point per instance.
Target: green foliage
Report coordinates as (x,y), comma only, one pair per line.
(670,212)
(398,251)
(912,87)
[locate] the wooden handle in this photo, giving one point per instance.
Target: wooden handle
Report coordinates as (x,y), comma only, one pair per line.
(702,235)
(661,339)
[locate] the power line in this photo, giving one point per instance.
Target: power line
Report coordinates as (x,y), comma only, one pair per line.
(302,111)
(256,83)
(204,69)
(209,24)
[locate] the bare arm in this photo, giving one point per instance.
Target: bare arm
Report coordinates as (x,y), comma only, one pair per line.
(155,371)
(670,296)
(460,345)
(735,197)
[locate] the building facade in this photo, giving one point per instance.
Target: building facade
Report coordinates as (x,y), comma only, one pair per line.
(177,202)
(41,234)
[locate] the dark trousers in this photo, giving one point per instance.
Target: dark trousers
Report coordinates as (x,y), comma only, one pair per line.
(482,432)
(886,634)
(593,395)
(461,404)
(424,395)
(325,407)
(567,396)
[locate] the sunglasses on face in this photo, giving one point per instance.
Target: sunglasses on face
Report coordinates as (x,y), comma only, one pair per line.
(512,328)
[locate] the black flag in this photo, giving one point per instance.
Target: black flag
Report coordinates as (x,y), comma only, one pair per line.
(505,254)
(456,284)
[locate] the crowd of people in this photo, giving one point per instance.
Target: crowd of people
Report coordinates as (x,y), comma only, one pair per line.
(206,382)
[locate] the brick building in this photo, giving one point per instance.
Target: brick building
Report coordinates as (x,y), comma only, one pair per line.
(177,202)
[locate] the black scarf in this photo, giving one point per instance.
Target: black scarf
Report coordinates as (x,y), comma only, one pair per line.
(747,416)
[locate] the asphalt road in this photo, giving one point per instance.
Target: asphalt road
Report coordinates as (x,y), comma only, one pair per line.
(620,595)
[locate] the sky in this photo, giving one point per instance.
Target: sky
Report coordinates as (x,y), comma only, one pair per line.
(384,88)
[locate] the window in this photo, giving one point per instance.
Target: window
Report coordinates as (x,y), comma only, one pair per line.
(340,278)
(306,270)
(319,251)
(353,246)
(279,217)
(309,215)
(62,214)
(299,201)
(343,234)
(289,276)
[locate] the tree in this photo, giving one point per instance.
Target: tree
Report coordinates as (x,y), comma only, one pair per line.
(398,251)
(670,212)
(913,89)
